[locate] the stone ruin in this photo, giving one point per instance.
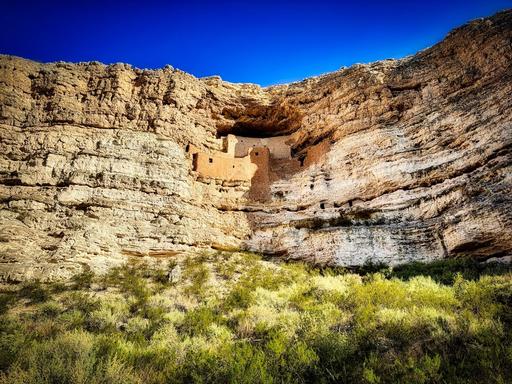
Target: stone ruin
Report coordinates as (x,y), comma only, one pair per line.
(245,159)
(390,162)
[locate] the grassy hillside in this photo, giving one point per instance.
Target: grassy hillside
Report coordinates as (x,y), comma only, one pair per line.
(235,318)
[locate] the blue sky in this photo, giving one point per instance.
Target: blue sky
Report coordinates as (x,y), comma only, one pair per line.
(264,42)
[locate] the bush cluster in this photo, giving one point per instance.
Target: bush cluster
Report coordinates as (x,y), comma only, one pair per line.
(236,318)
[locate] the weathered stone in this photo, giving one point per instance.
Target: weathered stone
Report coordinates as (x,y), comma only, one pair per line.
(392,161)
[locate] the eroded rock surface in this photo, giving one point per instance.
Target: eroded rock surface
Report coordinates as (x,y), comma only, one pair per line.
(401,160)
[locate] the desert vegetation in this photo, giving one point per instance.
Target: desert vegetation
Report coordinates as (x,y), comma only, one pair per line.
(236,318)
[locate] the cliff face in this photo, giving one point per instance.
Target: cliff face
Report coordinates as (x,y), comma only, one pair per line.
(402,160)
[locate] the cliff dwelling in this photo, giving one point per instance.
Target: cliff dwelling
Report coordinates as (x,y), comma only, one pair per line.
(350,227)
(253,159)
(368,163)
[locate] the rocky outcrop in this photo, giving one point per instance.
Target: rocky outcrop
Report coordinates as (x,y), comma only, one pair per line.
(401,160)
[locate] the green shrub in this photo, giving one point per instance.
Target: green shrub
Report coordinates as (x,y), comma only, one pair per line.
(83,279)
(69,358)
(198,321)
(243,363)
(198,275)
(226,269)
(13,337)
(50,309)
(137,288)
(6,300)
(234,317)
(445,271)
(240,296)
(161,273)
(34,291)
(81,301)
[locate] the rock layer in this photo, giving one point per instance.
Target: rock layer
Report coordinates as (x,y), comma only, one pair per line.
(405,160)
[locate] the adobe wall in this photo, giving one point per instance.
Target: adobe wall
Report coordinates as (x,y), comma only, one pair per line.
(260,182)
(283,168)
(192,149)
(248,159)
(316,152)
(230,144)
(277,145)
(223,167)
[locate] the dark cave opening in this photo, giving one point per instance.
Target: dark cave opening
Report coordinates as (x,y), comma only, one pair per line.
(259,121)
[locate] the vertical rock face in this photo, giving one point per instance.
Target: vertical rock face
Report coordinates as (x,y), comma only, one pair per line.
(401,160)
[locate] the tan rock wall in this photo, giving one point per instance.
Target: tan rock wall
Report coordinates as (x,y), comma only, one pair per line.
(94,168)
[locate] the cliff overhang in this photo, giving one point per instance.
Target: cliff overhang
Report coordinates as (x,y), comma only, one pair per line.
(389,162)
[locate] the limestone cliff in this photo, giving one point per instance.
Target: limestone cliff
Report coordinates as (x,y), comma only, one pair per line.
(401,160)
